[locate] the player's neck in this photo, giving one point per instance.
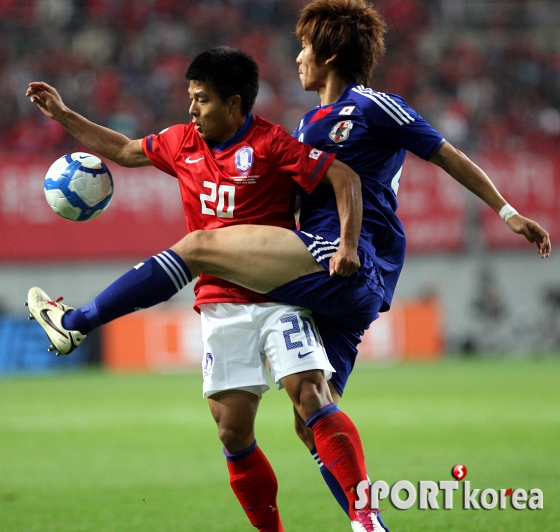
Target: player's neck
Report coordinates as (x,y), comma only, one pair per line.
(332,90)
(229,132)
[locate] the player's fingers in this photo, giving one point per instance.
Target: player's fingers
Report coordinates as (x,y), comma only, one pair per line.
(542,237)
(33,87)
(36,99)
(40,88)
(545,247)
(337,268)
(348,269)
(332,267)
(39,85)
(343,264)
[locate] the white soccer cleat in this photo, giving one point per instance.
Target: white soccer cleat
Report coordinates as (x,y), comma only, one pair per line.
(48,314)
(368,521)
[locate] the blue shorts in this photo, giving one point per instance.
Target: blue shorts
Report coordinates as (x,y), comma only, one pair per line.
(343,307)
(341,345)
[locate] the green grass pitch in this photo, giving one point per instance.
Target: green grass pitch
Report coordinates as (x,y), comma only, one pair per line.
(92,451)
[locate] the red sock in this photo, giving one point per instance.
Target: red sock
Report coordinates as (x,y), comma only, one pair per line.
(254,483)
(340,449)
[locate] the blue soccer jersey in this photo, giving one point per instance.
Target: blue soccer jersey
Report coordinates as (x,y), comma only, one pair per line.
(371,132)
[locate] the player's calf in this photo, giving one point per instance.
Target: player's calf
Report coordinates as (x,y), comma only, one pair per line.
(308,391)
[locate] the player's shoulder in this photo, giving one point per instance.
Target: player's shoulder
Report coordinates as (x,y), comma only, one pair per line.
(265,126)
(381,105)
(368,96)
(176,131)
(265,132)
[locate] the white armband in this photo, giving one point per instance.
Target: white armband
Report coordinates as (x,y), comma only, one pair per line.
(507,211)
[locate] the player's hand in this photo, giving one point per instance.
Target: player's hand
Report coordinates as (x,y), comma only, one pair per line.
(344,262)
(47,99)
(533,232)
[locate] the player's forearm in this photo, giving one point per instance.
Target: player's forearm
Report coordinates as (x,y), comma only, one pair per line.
(104,141)
(472,177)
(348,192)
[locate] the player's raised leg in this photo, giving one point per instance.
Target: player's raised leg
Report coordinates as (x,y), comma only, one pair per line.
(258,257)
(261,258)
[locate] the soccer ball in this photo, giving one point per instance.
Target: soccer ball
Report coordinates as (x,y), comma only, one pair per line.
(79,186)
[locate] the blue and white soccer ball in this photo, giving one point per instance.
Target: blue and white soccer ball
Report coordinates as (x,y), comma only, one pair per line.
(79,186)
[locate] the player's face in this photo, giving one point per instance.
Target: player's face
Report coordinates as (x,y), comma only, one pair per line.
(212,117)
(311,75)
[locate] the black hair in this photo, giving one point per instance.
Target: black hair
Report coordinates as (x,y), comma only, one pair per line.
(229,72)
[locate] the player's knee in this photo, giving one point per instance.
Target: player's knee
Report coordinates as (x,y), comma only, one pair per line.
(235,439)
(313,394)
(194,247)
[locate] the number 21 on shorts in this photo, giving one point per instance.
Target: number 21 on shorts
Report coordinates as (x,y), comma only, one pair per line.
(309,331)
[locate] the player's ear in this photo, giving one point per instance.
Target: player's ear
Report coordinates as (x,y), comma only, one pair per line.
(330,59)
(234,103)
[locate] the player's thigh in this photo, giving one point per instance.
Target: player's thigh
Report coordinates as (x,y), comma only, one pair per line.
(232,356)
(341,344)
(291,342)
(258,257)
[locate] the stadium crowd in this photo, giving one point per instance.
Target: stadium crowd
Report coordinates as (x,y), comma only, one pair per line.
(485,73)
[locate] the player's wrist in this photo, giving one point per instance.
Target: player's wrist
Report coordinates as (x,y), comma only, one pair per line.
(506,212)
(65,116)
(348,247)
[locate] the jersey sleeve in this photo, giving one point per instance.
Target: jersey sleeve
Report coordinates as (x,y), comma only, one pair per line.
(394,122)
(162,148)
(306,164)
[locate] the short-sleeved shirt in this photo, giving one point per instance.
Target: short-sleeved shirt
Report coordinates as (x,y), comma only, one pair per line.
(250,179)
(371,132)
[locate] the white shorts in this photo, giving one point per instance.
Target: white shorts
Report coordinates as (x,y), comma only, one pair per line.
(239,338)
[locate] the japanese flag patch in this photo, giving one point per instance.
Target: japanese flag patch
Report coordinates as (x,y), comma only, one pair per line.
(347,110)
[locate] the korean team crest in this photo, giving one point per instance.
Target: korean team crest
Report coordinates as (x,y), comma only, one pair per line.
(244,158)
(341,131)
(207,364)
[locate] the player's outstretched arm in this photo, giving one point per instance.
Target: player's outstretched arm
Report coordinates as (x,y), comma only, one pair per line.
(463,170)
(108,143)
(348,192)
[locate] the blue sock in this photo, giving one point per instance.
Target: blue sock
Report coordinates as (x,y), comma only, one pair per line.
(147,284)
(332,483)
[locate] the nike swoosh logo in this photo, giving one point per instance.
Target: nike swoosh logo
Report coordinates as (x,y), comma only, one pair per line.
(49,322)
(339,458)
(249,508)
(45,315)
(300,355)
(188,160)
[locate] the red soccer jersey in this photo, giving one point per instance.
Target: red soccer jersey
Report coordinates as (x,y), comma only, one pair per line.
(249,179)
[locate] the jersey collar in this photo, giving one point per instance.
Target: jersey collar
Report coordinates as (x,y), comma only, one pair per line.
(344,95)
(236,138)
(321,111)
